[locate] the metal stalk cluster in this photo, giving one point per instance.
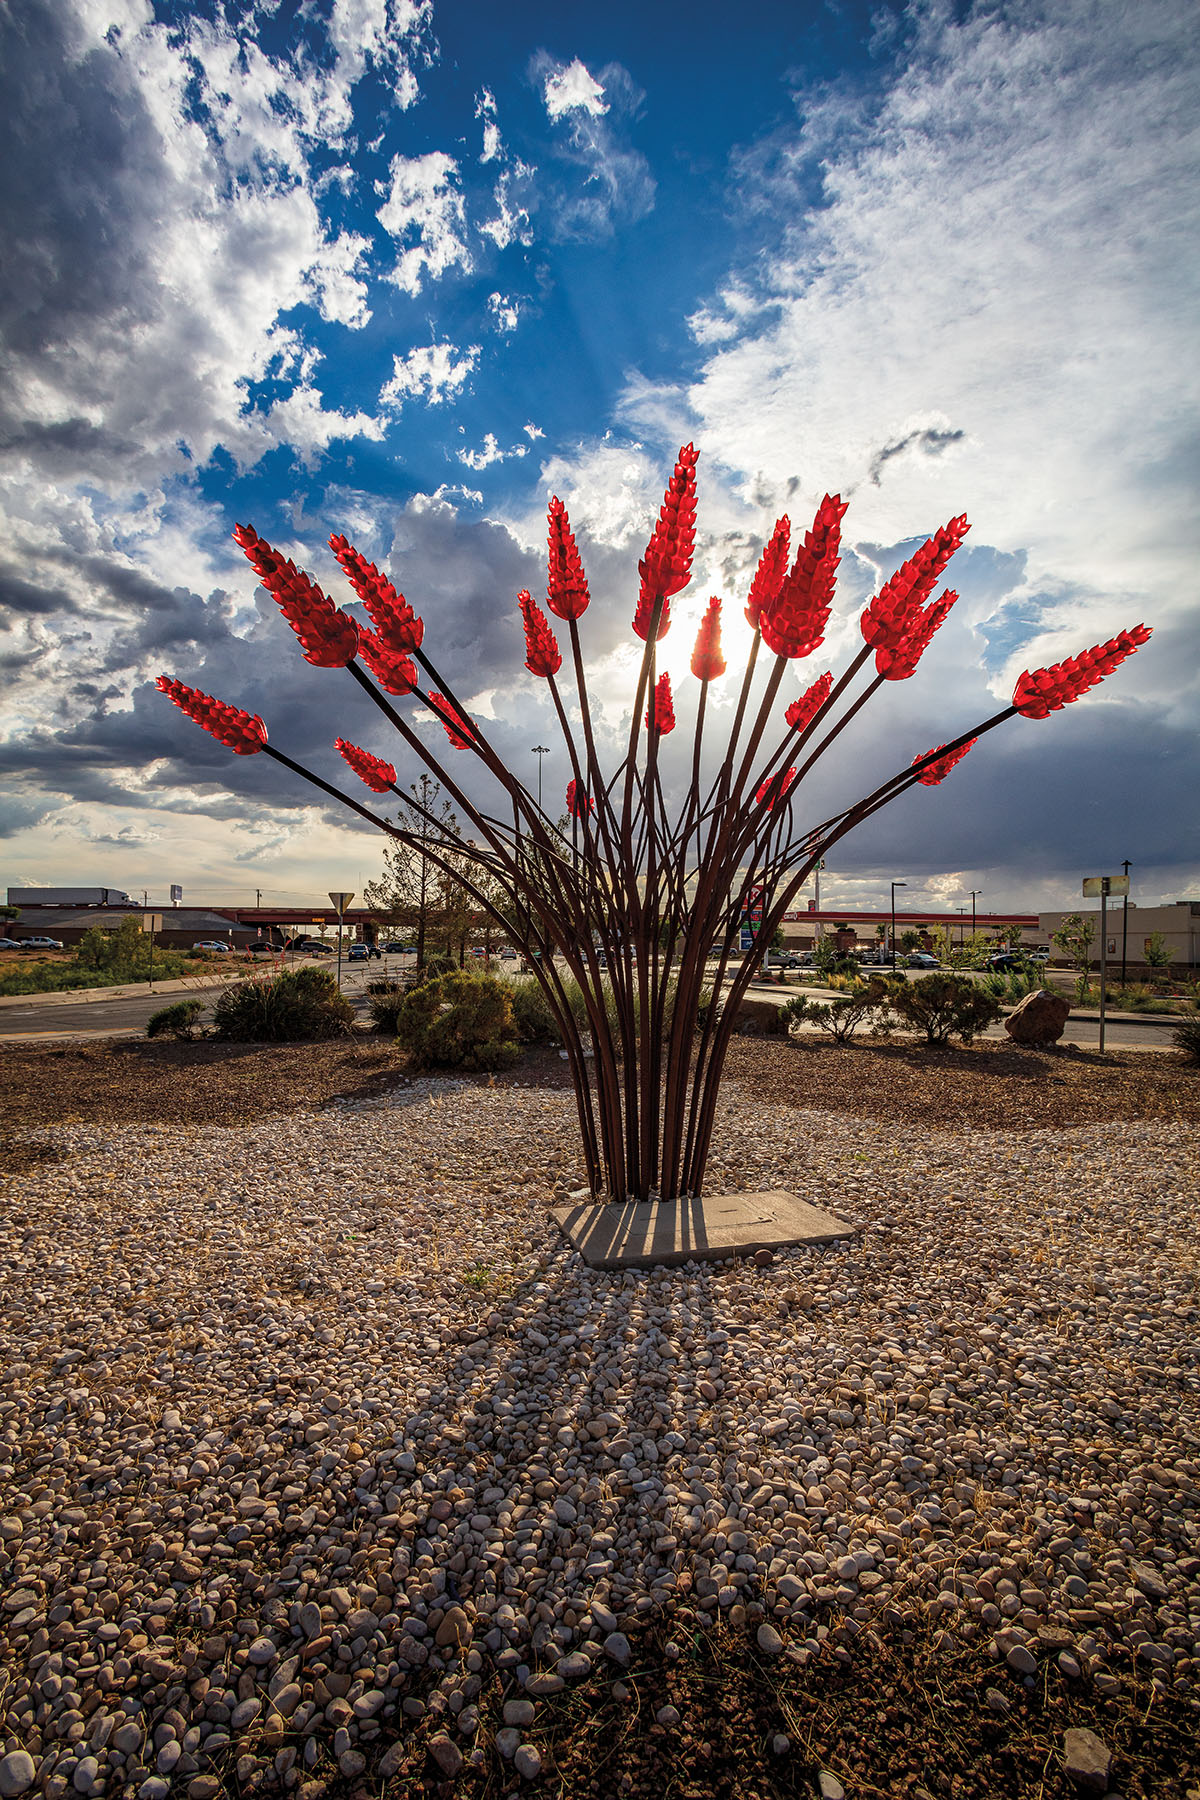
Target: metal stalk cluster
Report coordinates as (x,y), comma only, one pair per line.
(618,914)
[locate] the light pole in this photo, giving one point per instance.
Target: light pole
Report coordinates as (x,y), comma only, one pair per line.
(975,892)
(1124,920)
(540,750)
(961,911)
(895,885)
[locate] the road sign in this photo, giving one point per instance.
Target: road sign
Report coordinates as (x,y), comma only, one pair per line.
(151,922)
(341,901)
(1096,886)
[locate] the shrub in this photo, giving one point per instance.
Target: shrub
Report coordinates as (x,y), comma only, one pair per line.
(462,1020)
(842,1018)
(297,1006)
(1187,1035)
(181,1019)
(944,1006)
(384,1000)
(535,1023)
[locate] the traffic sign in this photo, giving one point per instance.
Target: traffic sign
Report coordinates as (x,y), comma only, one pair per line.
(1094,886)
(340,901)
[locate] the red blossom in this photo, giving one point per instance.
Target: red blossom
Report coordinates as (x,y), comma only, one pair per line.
(938,771)
(664,707)
(398,626)
(775,788)
(707,662)
(770,573)
(542,655)
(803,711)
(459,728)
(897,606)
(378,775)
(566,584)
(242,732)
(666,567)
(394,672)
(899,662)
(795,623)
(329,636)
(1040,692)
(579,805)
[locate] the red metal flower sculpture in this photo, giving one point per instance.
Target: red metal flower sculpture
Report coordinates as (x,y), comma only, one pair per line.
(650,887)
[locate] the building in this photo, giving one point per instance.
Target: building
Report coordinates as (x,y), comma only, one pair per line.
(1178,922)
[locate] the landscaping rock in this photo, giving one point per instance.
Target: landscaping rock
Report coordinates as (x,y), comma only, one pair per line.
(1039,1019)
(1086,1759)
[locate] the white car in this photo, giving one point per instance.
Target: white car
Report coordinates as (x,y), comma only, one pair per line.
(213,944)
(41,943)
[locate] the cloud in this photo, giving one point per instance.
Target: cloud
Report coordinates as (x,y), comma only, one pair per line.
(431,372)
(572,89)
(505,312)
(490,453)
(161,216)
(985,307)
(604,181)
(424,202)
(485,109)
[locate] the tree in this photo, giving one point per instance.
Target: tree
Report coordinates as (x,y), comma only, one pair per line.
(413,892)
(1157,952)
(1074,938)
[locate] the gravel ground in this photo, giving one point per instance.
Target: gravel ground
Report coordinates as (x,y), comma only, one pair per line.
(311,1424)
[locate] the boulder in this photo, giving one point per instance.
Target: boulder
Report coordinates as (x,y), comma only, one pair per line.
(1039,1019)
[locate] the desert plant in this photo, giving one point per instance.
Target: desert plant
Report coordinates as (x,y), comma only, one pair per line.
(535,1022)
(1187,1034)
(1159,956)
(944,1006)
(1011,985)
(460,1020)
(384,1000)
(1074,938)
(865,1001)
(628,863)
(298,1006)
(181,1019)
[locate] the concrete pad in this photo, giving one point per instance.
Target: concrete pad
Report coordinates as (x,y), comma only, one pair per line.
(660,1234)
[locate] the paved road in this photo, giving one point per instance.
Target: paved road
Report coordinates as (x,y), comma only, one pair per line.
(127,1017)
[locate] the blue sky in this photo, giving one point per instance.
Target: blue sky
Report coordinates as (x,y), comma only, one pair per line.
(405,270)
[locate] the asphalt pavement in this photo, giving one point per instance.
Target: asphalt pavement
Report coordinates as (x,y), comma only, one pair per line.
(87,1017)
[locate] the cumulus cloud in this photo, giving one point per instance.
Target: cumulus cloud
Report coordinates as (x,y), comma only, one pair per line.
(986,309)
(573,89)
(424,211)
(602,179)
(431,372)
(504,312)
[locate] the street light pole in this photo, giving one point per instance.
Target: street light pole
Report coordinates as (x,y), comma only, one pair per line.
(975,892)
(540,750)
(895,885)
(1124,920)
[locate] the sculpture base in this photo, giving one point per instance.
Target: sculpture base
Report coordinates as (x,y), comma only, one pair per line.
(661,1234)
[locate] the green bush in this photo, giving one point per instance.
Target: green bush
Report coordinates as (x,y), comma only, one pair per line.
(180,1020)
(384,1000)
(944,1006)
(867,1000)
(1187,1035)
(297,1006)
(535,1023)
(461,1020)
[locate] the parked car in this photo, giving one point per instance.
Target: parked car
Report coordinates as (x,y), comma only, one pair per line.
(41,943)
(215,945)
(314,947)
(258,948)
(789,959)
(399,949)
(1042,956)
(508,955)
(1004,960)
(9,944)
(921,959)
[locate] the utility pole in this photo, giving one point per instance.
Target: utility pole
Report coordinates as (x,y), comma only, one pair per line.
(975,892)
(1124,920)
(257,899)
